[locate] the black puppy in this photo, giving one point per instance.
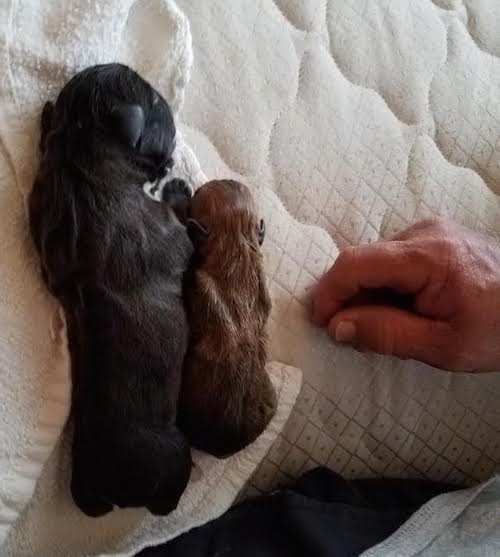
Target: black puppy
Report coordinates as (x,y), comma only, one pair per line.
(115,259)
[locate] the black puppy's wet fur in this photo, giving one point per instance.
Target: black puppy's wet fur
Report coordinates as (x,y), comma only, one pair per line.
(115,259)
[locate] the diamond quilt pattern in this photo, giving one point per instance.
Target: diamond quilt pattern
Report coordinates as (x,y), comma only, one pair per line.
(351,119)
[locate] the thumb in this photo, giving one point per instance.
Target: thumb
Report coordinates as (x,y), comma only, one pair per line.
(391,331)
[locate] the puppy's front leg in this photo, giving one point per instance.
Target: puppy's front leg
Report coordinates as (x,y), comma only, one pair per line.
(177,195)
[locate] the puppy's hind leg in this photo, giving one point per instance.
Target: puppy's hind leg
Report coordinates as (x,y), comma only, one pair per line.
(84,497)
(89,503)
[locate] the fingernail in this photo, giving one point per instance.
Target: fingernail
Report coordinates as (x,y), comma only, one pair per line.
(345,332)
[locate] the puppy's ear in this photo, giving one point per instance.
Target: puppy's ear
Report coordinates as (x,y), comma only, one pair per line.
(197,231)
(158,139)
(127,122)
(262,231)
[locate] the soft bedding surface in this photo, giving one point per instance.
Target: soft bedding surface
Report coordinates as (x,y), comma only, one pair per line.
(41,46)
(349,119)
(360,117)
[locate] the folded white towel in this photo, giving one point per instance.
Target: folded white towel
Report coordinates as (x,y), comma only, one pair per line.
(41,46)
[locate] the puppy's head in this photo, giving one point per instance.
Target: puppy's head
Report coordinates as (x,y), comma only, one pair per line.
(108,128)
(224,208)
(108,107)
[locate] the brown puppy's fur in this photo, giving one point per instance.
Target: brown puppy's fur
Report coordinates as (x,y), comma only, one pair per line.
(227,398)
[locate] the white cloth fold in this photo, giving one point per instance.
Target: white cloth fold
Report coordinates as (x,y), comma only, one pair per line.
(41,46)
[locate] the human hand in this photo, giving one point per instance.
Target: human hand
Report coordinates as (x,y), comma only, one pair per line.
(452,278)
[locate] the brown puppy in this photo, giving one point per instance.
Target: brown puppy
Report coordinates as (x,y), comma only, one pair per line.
(227,398)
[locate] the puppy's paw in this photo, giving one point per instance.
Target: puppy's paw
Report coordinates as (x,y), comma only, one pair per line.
(93,506)
(161,508)
(87,501)
(177,194)
(176,188)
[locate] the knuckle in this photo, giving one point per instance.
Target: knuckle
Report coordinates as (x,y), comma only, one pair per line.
(415,253)
(438,251)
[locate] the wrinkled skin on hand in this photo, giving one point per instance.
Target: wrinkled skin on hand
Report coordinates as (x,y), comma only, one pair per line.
(450,279)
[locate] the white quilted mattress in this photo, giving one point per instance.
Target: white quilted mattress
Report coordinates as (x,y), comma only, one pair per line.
(356,118)
(349,119)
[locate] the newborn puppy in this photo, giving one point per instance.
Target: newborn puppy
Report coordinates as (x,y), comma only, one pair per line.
(227,398)
(115,259)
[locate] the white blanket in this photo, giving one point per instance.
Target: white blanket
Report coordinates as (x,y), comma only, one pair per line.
(362,116)
(41,46)
(354,117)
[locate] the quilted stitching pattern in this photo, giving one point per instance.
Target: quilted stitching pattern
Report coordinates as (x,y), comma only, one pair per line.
(356,118)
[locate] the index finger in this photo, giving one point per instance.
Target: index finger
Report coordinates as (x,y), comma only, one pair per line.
(396,264)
